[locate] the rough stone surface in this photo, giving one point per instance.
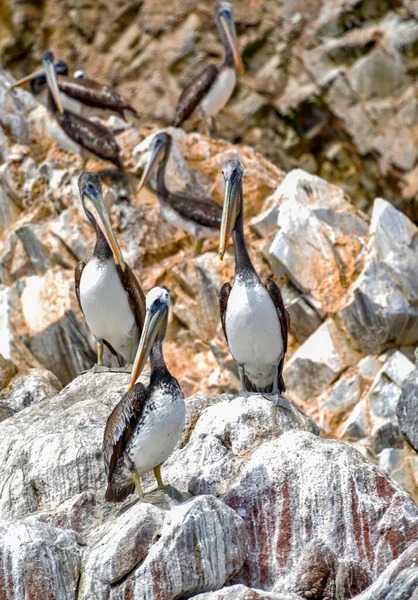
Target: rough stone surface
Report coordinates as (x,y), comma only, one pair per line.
(406,409)
(29,388)
(381,311)
(38,561)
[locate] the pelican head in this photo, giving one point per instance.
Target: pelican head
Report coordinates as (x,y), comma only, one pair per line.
(226,25)
(232,173)
(80,74)
(37,79)
(90,188)
(160,143)
(155,324)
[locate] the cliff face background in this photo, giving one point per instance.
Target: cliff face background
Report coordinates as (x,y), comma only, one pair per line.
(330,85)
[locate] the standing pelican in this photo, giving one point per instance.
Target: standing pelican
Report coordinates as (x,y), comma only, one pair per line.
(254,319)
(212,88)
(201,217)
(109,295)
(146,425)
(79,94)
(74,133)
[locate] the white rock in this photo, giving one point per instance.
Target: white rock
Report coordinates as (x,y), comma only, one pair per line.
(381,310)
(318,362)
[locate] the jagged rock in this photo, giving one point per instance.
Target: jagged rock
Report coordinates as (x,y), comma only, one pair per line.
(318,362)
(406,409)
(380,313)
(7,371)
(56,336)
(346,392)
(305,316)
(288,481)
(398,581)
(321,238)
(29,388)
(38,561)
(200,546)
(242,592)
(197,298)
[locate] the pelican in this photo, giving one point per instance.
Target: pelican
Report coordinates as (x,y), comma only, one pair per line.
(109,295)
(254,319)
(208,93)
(79,94)
(74,133)
(146,425)
(200,217)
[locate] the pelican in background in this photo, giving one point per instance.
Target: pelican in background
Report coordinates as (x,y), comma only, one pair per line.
(146,425)
(208,93)
(79,94)
(200,217)
(74,133)
(109,294)
(254,319)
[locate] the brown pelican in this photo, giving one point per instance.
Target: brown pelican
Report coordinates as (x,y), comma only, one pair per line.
(109,295)
(79,94)
(212,88)
(254,319)
(146,425)
(74,133)
(201,217)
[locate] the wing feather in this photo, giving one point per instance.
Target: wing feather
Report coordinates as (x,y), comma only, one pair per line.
(223,303)
(119,428)
(204,211)
(284,320)
(77,278)
(92,136)
(136,296)
(194,93)
(93,93)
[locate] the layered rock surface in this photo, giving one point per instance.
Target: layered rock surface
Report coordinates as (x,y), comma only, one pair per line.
(273,511)
(329,85)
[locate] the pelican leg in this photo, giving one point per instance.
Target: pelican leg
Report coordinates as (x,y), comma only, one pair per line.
(198,247)
(100,350)
(154,497)
(242,390)
(275,395)
(206,130)
(157,475)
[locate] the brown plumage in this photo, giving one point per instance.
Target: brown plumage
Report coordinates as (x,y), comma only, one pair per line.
(95,94)
(119,428)
(91,136)
(194,93)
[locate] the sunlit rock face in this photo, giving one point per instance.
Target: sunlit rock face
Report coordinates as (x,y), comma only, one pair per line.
(273,510)
(270,509)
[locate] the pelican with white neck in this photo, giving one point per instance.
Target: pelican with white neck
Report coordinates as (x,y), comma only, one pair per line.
(148,422)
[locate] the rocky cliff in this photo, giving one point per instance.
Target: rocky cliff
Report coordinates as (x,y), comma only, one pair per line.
(278,507)
(329,84)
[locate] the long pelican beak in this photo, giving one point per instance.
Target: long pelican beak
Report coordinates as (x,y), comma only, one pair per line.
(52,81)
(153,319)
(229,214)
(37,73)
(97,199)
(228,26)
(155,156)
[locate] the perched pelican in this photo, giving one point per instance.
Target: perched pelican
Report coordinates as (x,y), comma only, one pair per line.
(201,217)
(109,295)
(254,319)
(208,93)
(75,133)
(79,94)
(146,425)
